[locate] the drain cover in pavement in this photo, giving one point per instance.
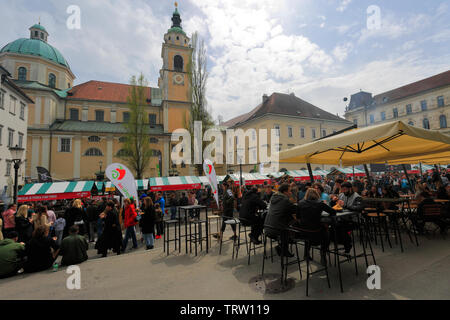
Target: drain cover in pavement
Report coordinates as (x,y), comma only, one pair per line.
(271,284)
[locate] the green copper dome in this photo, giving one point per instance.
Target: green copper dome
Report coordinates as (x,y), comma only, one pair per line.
(35,47)
(38,26)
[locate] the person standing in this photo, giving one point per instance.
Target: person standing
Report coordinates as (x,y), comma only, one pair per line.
(147,222)
(24,227)
(60,224)
(9,223)
(92,216)
(40,218)
(73,248)
(111,237)
(75,215)
(130,223)
(228,206)
(173,206)
(51,216)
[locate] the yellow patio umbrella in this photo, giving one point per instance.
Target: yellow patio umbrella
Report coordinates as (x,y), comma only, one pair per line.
(393,142)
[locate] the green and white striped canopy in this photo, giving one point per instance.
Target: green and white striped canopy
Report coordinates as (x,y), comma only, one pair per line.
(175,183)
(55,191)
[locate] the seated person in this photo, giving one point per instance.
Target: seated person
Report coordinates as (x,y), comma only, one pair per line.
(281,212)
(11,255)
(310,227)
(251,203)
(41,250)
(420,219)
(73,248)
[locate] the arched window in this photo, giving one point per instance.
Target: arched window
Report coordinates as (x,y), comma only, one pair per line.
(426,123)
(411,123)
(178,63)
(123,153)
(52,80)
(94,139)
(93,152)
(123,139)
(22,73)
(443,121)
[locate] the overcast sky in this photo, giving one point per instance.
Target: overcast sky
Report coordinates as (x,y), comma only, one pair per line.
(322,50)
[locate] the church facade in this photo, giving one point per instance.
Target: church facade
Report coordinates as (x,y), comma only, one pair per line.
(77,131)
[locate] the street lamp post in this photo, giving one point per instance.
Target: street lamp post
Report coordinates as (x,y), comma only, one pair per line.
(16,155)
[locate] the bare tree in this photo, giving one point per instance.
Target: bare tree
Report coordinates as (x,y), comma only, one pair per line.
(136,151)
(198,76)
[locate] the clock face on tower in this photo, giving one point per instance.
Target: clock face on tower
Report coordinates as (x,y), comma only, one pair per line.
(178,79)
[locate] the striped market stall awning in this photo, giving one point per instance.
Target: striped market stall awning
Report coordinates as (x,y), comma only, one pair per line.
(56,191)
(175,183)
(275,175)
(302,175)
(142,184)
(348,171)
(321,172)
(109,187)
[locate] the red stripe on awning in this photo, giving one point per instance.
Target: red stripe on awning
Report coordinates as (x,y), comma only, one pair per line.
(54,196)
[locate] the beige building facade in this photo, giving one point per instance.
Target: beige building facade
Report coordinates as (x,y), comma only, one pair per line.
(77,131)
(424,104)
(296,122)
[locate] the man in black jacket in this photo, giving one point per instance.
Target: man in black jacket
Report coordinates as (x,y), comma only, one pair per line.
(281,212)
(251,203)
(228,206)
(92,215)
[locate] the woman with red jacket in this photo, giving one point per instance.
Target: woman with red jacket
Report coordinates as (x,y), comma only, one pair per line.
(129,222)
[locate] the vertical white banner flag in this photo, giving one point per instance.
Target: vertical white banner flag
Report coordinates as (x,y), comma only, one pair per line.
(208,168)
(122,178)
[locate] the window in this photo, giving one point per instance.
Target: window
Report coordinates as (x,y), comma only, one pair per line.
(372,118)
(123,153)
(443,121)
(355,122)
(324,133)
(395,113)
(1,131)
(408,109)
(94,139)
(36,34)
(178,38)
(93,152)
(253,135)
(123,139)
(440,101)
(152,119)
(290,132)
(10,137)
(2,99)
(153,140)
(68,85)
(22,73)
(302,132)
(12,105)
(22,111)
(74,114)
(383,116)
(99,115)
(178,63)
(278,147)
(42,35)
(64,144)
(8,168)
(313,133)
(426,124)
(52,80)
(411,123)
(277,130)
(20,140)
(126,117)
(423,105)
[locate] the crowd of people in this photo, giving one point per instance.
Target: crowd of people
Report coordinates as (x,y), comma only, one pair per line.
(35,234)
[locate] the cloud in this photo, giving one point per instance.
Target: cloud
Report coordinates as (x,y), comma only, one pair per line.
(340,52)
(253,54)
(343,5)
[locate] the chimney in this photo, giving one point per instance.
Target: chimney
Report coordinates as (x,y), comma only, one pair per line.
(265,98)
